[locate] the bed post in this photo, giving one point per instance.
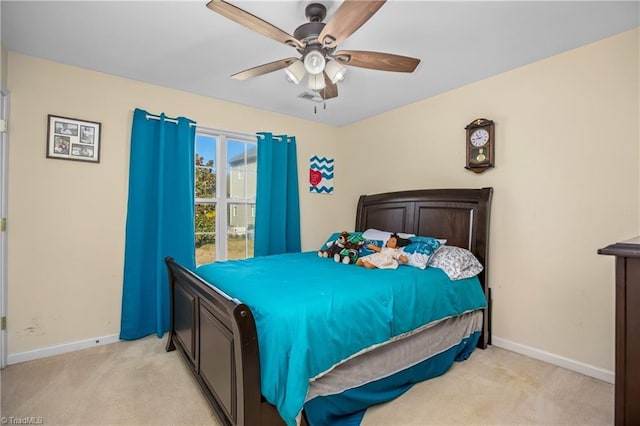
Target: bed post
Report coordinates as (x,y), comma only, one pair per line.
(170,345)
(482,253)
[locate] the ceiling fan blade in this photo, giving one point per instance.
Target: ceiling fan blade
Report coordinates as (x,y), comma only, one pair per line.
(264,69)
(350,16)
(376,60)
(252,22)
(330,90)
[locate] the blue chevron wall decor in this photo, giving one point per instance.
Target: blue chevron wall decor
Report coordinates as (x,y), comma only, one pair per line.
(321,175)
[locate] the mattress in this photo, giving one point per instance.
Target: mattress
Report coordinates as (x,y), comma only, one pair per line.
(341,396)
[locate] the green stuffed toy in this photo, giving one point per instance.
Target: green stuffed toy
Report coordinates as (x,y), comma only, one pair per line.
(349,254)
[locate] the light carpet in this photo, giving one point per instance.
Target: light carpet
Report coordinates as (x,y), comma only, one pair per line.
(138,383)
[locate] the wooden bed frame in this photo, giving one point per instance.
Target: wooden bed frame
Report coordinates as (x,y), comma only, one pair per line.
(217,335)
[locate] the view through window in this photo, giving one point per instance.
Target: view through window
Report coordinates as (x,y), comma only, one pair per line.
(225,196)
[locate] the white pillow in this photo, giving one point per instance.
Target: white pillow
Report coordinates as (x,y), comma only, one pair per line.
(456,262)
(418,260)
(376,234)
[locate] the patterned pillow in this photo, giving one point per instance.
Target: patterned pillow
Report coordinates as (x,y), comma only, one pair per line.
(420,251)
(456,262)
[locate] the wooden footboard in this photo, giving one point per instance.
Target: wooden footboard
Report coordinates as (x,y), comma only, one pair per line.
(217,337)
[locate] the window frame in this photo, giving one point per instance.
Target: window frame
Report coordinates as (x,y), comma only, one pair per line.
(221,201)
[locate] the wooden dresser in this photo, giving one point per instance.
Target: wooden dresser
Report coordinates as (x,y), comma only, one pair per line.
(627,374)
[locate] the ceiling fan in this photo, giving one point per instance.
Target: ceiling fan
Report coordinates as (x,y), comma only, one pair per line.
(317,41)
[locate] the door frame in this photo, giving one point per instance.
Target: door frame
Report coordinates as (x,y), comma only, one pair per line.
(4,173)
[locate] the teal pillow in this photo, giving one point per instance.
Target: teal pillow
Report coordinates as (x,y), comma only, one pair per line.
(420,251)
(424,245)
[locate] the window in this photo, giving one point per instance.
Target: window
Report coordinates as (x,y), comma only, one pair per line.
(225,213)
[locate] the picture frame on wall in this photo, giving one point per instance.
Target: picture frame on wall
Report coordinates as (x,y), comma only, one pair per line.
(73,139)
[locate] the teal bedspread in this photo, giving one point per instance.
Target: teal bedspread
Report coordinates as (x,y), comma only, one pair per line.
(312,313)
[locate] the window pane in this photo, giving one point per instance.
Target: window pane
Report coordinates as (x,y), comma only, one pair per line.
(205,248)
(206,150)
(205,233)
(252,155)
(240,231)
(251,183)
(241,168)
(205,218)
(205,166)
(236,184)
(236,154)
(235,169)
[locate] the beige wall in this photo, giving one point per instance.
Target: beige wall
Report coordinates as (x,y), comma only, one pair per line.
(66,242)
(566,183)
(3,57)
(3,65)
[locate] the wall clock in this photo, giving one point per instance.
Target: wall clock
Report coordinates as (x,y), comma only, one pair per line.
(480,145)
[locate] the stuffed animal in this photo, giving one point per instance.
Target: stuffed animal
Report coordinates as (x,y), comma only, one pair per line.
(336,246)
(346,256)
(351,250)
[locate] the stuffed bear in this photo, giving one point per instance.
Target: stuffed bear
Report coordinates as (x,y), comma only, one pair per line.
(351,250)
(346,256)
(336,246)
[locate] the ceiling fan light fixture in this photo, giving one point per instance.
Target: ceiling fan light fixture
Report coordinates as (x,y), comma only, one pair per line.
(316,82)
(335,71)
(295,71)
(316,42)
(314,62)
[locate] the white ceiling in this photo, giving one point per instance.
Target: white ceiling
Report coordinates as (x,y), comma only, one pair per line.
(184,45)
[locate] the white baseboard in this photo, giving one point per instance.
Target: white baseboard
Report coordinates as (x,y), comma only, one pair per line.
(557,360)
(61,349)
(569,364)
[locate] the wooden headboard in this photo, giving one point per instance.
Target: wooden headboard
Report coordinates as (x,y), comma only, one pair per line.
(461,216)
